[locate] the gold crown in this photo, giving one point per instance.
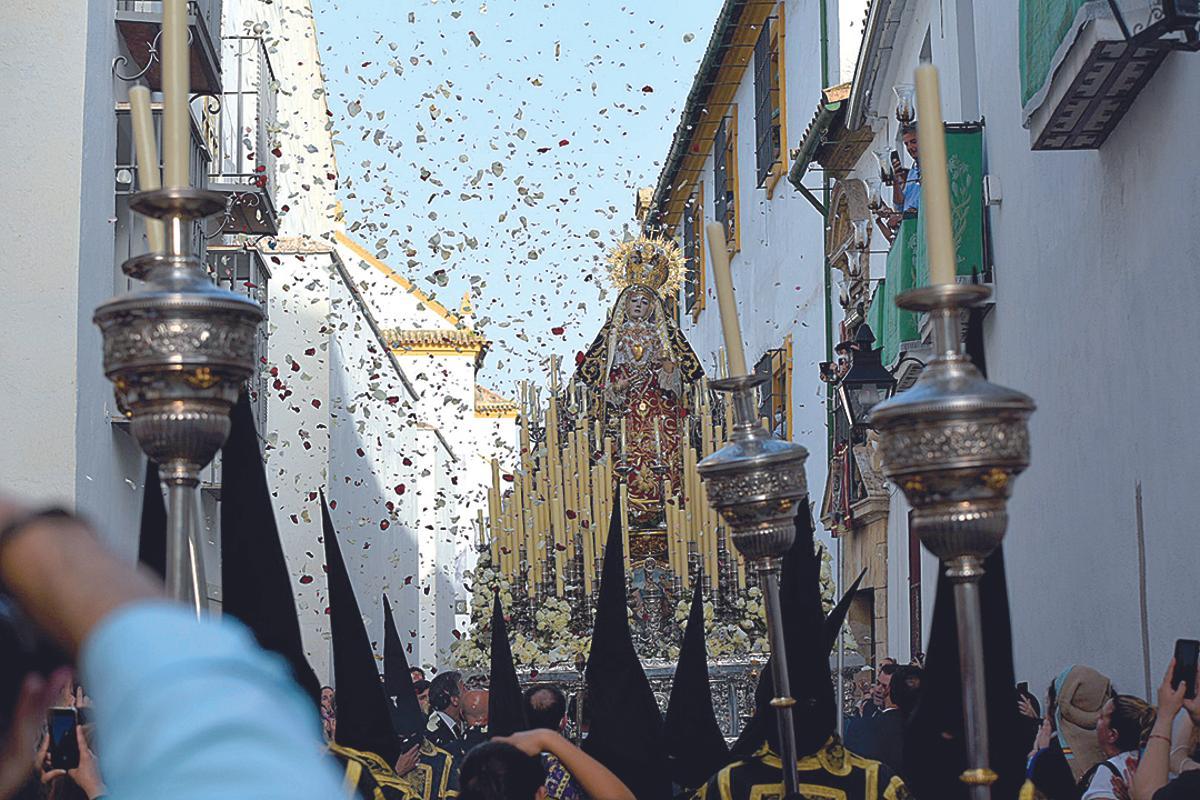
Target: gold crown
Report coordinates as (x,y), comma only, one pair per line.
(652,261)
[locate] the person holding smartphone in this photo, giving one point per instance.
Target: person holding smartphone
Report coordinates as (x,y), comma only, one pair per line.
(1171,745)
(84,771)
(153,671)
(906,185)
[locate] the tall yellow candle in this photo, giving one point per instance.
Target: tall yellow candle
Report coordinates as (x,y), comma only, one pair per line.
(935,180)
(149,178)
(726,303)
(176,90)
(741,569)
(625,524)
(570,496)
(668,521)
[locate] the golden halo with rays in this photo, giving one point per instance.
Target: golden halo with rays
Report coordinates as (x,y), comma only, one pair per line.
(653,261)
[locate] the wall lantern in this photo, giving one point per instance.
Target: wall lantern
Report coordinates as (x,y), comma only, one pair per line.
(1174,24)
(906,96)
(867,382)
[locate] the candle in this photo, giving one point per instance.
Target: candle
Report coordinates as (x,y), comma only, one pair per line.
(625,525)
(622,438)
(176,91)
(741,569)
(658,437)
(494,495)
(726,302)
(144,143)
(935,181)
(668,521)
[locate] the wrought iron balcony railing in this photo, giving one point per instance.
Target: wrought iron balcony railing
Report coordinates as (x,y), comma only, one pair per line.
(140,23)
(242,127)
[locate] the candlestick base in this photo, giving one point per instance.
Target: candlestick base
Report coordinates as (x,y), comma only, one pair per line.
(953,443)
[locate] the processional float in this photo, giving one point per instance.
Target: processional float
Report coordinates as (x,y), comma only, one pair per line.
(953,443)
(178,350)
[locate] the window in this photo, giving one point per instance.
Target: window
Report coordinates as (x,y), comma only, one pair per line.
(725,180)
(693,253)
(775,396)
(244,271)
(130,227)
(770,137)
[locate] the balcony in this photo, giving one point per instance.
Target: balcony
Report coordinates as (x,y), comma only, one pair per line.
(139,23)
(242,131)
(1083,64)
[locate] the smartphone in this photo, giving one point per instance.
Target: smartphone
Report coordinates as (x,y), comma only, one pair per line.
(411,741)
(1023,688)
(1186,653)
(64,747)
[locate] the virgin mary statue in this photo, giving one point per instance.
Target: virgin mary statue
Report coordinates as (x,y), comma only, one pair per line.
(642,371)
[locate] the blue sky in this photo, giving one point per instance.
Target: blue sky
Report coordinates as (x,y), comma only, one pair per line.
(495,147)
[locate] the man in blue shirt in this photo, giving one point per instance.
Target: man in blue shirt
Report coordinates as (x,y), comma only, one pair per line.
(183,708)
(906,185)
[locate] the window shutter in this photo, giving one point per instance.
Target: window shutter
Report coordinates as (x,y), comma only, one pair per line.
(721,176)
(691,280)
(764,138)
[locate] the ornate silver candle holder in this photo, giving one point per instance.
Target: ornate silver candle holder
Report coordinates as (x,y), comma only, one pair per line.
(954,443)
(177,352)
(757,483)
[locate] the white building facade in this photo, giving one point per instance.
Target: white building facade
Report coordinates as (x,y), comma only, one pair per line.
(1070,140)
(337,409)
(728,162)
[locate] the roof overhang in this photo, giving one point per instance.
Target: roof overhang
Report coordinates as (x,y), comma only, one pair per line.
(729,51)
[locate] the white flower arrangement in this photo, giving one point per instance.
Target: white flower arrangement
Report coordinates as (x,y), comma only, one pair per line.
(548,633)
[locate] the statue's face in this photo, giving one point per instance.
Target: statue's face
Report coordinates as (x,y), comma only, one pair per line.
(638,306)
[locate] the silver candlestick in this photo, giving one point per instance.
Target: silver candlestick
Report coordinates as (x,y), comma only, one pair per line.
(177,352)
(954,443)
(757,483)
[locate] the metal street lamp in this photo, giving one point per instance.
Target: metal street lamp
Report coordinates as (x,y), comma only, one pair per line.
(867,383)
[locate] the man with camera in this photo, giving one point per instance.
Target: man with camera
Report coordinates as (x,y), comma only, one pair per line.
(152,670)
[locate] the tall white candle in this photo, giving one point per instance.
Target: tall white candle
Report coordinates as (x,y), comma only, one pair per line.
(935,180)
(176,90)
(149,177)
(735,350)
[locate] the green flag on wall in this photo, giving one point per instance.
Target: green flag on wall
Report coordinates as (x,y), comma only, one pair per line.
(895,324)
(964,162)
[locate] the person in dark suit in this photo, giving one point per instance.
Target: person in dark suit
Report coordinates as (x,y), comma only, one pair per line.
(446,728)
(881,737)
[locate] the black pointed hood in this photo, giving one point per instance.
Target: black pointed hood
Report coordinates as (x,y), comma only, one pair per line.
(256,584)
(934,745)
(626,728)
(695,746)
(407,718)
(804,625)
(833,622)
(364,711)
(506,713)
(934,749)
(152,540)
